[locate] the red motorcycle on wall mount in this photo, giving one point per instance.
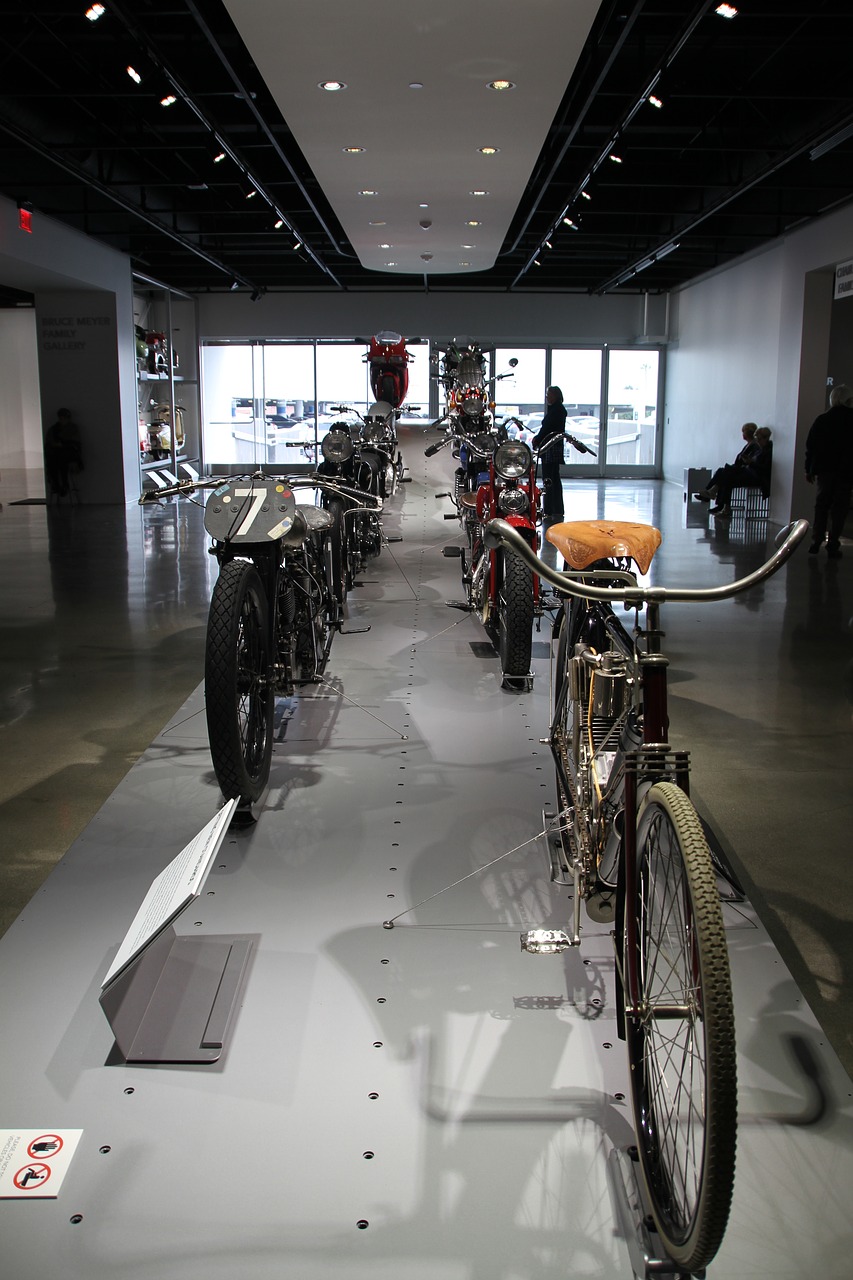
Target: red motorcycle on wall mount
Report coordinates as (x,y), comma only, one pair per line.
(388,361)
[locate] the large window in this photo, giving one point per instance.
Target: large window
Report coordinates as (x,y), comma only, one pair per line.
(577,372)
(632,407)
(267,404)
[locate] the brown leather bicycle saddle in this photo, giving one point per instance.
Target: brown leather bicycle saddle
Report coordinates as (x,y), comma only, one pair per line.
(582,542)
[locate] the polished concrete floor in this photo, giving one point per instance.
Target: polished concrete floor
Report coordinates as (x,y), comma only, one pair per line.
(103,614)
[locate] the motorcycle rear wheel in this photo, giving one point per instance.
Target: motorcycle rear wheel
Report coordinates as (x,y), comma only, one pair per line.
(238,685)
(515,617)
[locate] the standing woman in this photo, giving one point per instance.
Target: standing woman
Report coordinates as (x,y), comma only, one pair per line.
(553,424)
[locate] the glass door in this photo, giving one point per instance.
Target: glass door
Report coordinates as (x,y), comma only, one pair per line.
(577,371)
(633,384)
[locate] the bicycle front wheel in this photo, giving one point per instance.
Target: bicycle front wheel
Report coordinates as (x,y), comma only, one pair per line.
(238,686)
(680,1034)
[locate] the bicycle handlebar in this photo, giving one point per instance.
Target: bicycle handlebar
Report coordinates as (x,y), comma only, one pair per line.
(499,532)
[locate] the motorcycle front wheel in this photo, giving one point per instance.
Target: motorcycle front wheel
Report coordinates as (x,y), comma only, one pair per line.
(515,617)
(238,685)
(680,1035)
(337,552)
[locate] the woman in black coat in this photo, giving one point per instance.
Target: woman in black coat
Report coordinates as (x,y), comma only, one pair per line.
(553,424)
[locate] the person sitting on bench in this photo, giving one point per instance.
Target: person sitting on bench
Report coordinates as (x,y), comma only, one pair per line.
(753,474)
(747,453)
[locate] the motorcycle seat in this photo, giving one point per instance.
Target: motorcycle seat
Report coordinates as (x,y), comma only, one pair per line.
(468,500)
(582,542)
(316,518)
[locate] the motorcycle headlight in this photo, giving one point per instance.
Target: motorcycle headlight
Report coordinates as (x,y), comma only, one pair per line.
(372,432)
(336,447)
(513,502)
(513,460)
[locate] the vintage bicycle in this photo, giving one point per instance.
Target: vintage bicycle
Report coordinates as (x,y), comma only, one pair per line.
(633,849)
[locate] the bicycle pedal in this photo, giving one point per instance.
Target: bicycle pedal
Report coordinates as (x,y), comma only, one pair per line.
(543,942)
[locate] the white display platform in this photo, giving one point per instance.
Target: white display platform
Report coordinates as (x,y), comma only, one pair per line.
(421,1103)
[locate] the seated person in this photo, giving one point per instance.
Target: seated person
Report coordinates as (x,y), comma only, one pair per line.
(747,453)
(754,474)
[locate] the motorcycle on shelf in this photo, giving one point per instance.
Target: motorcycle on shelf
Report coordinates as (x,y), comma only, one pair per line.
(388,361)
(500,587)
(273,613)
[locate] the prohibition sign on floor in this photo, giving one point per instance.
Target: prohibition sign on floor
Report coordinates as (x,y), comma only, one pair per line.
(31,1176)
(49,1144)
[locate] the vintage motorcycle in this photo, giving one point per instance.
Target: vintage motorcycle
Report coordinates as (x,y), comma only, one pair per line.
(389,372)
(273,613)
(357,530)
(501,589)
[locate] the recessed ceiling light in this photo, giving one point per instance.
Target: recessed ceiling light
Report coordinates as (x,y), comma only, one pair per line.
(367,192)
(134,75)
(390,264)
(467,246)
(423,206)
(384,246)
(472,222)
(427,257)
(377,224)
(500,84)
(331,86)
(478,193)
(352,151)
(726,10)
(488,151)
(415,84)
(464,264)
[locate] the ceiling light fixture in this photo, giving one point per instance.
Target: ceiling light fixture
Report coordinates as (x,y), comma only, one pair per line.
(298,245)
(548,244)
(478,193)
(426,257)
(331,86)
(655,101)
(219,157)
(423,206)
(586,195)
(352,151)
(390,264)
(235,284)
(464,264)
(467,246)
(488,151)
(536,262)
(377,224)
(95,12)
(278,224)
(472,222)
(367,192)
(250,195)
(616,159)
(415,84)
(726,10)
(383,246)
(134,75)
(168,101)
(500,85)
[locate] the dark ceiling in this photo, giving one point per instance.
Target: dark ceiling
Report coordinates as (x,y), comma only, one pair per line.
(754,138)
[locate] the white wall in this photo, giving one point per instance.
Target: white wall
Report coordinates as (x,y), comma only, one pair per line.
(56,263)
(21,456)
(751,344)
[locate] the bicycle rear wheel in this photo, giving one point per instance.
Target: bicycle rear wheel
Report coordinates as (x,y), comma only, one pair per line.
(681,1040)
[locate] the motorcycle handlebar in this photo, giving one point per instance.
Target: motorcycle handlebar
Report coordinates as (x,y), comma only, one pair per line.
(432,450)
(184,488)
(498,532)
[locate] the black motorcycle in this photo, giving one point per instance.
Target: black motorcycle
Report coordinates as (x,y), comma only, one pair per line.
(273,613)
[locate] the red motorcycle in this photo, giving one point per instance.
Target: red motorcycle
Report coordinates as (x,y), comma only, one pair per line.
(501,588)
(389,372)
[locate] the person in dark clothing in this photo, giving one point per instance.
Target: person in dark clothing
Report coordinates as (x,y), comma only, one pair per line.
(747,453)
(62,452)
(753,473)
(553,425)
(829,463)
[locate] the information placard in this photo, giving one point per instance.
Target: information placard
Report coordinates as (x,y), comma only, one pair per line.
(174,888)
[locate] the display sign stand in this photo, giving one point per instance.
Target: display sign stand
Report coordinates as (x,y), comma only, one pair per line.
(170,998)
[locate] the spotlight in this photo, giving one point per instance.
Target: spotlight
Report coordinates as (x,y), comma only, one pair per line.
(655,101)
(234,285)
(134,75)
(96,11)
(257,294)
(219,157)
(168,101)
